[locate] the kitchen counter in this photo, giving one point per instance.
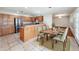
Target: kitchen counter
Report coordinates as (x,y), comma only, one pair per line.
(28,32)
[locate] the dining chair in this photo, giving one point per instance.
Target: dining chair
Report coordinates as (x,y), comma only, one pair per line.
(61,38)
(55,30)
(44,27)
(39,29)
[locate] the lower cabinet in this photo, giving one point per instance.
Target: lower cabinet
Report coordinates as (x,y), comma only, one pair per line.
(0,31)
(4,30)
(22,34)
(28,32)
(11,29)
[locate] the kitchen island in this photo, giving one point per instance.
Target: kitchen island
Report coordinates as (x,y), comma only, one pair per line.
(28,32)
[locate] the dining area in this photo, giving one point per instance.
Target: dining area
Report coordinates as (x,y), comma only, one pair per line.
(54,35)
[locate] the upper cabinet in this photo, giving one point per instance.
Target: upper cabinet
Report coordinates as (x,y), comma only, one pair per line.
(39,18)
(27,19)
(33,19)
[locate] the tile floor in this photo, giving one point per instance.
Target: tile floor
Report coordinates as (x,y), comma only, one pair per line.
(12,43)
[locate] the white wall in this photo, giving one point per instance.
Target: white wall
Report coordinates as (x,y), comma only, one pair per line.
(48,20)
(64,21)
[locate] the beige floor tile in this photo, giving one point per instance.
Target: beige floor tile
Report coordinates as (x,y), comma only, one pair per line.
(17,48)
(12,43)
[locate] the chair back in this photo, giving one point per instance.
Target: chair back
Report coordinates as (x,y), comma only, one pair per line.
(44,27)
(64,35)
(39,28)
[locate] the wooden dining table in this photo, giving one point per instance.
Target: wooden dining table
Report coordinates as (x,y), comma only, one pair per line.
(49,32)
(53,33)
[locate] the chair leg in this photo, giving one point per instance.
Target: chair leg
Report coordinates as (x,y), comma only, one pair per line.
(42,41)
(37,38)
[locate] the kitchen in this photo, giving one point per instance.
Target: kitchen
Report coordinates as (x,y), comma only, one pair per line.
(24,23)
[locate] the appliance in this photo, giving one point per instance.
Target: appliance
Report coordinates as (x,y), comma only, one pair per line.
(17,23)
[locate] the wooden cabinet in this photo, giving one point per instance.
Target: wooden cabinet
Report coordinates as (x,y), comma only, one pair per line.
(4,30)
(11,24)
(28,32)
(32,32)
(6,24)
(27,19)
(33,19)
(22,34)
(39,18)
(0,25)
(10,29)
(0,31)
(4,20)
(11,20)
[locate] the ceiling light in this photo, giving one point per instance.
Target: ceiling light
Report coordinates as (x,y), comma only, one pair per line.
(60,17)
(26,7)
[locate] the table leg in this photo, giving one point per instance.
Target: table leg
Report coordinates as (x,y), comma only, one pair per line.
(56,41)
(64,45)
(47,37)
(52,43)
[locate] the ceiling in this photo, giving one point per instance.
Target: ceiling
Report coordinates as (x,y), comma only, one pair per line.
(33,11)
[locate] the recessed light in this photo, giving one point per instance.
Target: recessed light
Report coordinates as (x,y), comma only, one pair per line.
(50,7)
(26,7)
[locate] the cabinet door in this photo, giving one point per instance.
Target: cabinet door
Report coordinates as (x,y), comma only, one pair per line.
(4,24)
(12,29)
(0,19)
(11,20)
(33,19)
(9,30)
(22,34)
(11,24)
(4,30)
(0,25)
(27,19)
(39,18)
(26,33)
(0,30)
(5,18)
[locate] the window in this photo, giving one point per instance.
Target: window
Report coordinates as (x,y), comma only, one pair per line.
(77,25)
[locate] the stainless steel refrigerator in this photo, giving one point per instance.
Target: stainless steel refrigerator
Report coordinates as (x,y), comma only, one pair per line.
(17,23)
